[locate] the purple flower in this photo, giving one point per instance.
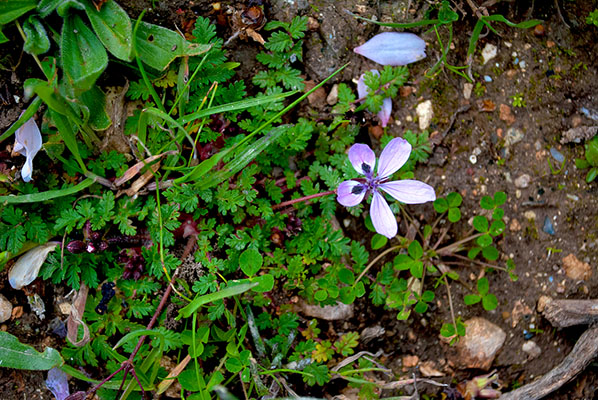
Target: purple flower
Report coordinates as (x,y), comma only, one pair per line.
(393,48)
(362,92)
(28,141)
(394,156)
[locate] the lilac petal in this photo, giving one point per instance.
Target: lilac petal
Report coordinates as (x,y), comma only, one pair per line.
(362,89)
(383,219)
(28,141)
(384,113)
(362,158)
(57,383)
(393,48)
(409,191)
(393,157)
(350,193)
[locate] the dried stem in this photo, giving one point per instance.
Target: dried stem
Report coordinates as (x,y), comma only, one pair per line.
(305,198)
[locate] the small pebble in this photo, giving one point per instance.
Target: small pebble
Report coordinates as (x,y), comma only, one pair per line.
(5,309)
(548,227)
(572,197)
(487,78)
(489,52)
(473,159)
(557,155)
(523,181)
(522,64)
(529,215)
(531,349)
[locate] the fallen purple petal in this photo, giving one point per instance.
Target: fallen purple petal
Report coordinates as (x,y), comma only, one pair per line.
(393,48)
(385,111)
(57,383)
(383,219)
(28,141)
(393,157)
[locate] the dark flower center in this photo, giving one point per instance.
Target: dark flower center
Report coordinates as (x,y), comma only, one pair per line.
(357,189)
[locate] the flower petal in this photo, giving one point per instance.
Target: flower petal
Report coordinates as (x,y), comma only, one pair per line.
(383,219)
(362,158)
(57,383)
(28,141)
(393,48)
(409,191)
(350,193)
(393,157)
(384,113)
(362,89)
(26,269)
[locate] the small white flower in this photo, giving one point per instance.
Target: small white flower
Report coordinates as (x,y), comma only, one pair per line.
(28,141)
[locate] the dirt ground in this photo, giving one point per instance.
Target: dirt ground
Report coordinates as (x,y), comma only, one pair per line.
(554,71)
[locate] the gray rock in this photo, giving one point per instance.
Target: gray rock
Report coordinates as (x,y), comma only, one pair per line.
(5,309)
(531,349)
(523,181)
(514,135)
(480,344)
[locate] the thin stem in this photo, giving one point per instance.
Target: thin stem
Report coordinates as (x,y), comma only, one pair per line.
(480,263)
(448,291)
(449,249)
(300,199)
(375,260)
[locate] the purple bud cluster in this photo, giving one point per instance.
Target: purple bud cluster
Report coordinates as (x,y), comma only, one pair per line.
(134,262)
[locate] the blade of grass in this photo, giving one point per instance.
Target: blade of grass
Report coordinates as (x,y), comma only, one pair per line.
(48,195)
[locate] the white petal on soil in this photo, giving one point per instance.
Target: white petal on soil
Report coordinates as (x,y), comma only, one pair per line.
(393,48)
(28,141)
(27,266)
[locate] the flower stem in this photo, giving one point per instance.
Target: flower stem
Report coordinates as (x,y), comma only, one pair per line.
(300,199)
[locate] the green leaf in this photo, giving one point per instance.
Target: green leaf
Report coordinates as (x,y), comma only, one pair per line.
(37,41)
(483,286)
(497,214)
(158,46)
(420,307)
(441,205)
(265,283)
(447,330)
(484,240)
(95,100)
(497,227)
(454,214)
(415,250)
(446,15)
(500,198)
(592,152)
(113,27)
(473,252)
(471,299)
(251,261)
(480,223)
(454,199)
(592,174)
(378,241)
(45,7)
(13,9)
(489,302)
(487,203)
(321,295)
(199,301)
(490,253)
(67,134)
(346,276)
(22,356)
(581,163)
(298,27)
(417,269)
(347,295)
(83,55)
(427,296)
(279,42)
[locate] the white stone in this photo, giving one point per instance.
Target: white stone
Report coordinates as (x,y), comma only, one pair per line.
(467,89)
(332,98)
(531,349)
(489,52)
(523,181)
(5,309)
(425,113)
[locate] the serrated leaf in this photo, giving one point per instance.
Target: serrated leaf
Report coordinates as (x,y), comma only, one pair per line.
(21,356)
